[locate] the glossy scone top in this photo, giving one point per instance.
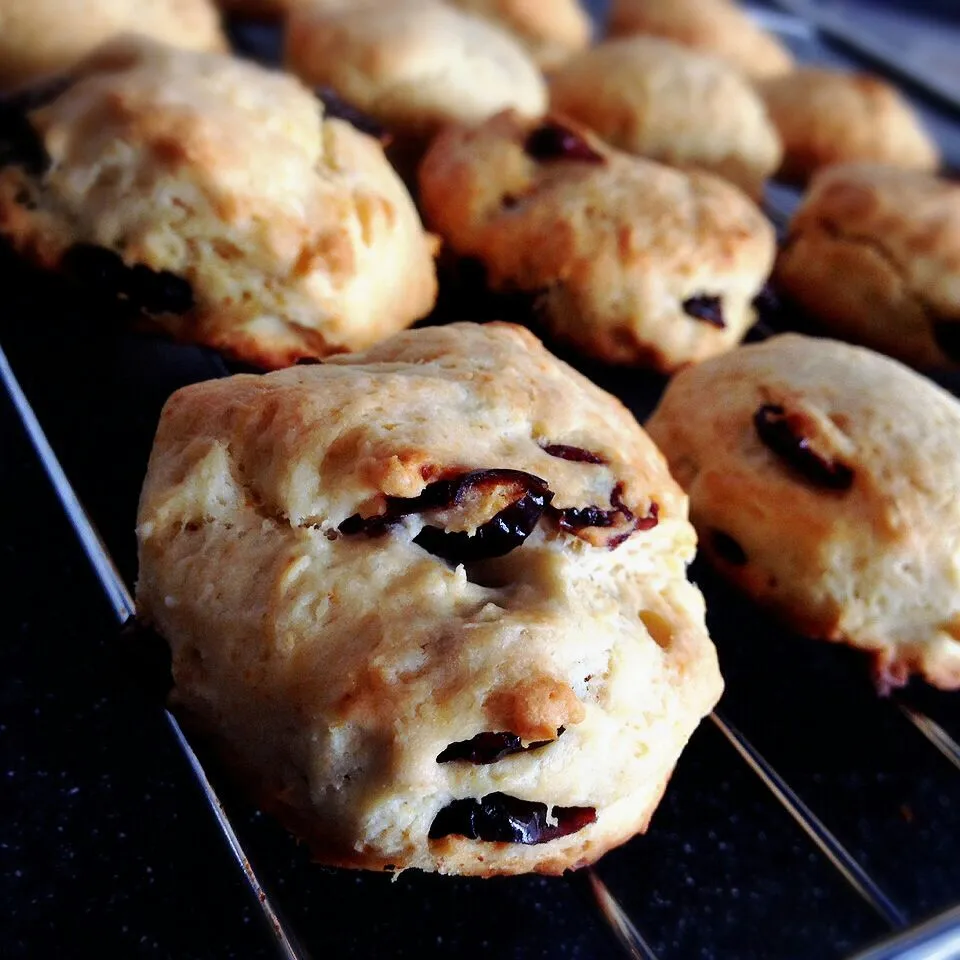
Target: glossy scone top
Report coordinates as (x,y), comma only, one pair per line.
(824,480)
(335,657)
(293,232)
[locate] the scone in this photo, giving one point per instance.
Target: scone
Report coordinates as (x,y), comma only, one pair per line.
(829,116)
(413,65)
(40,38)
(873,252)
(551,30)
(720,27)
(630,261)
(824,481)
(430,600)
(654,98)
(212,196)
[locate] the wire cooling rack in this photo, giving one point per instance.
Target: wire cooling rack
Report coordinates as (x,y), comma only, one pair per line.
(829,825)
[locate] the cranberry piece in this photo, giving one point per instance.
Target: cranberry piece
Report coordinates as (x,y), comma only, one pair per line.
(103,272)
(95,267)
(336,107)
(778,434)
(500,818)
(487,748)
(707,309)
(574,519)
(727,549)
(19,142)
(503,532)
(564,451)
(553,141)
(159,291)
(947,335)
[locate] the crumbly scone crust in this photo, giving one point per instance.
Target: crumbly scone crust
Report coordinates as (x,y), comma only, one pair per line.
(828,116)
(414,65)
(874,564)
(297,237)
(720,27)
(612,249)
(657,99)
(874,253)
(39,38)
(339,667)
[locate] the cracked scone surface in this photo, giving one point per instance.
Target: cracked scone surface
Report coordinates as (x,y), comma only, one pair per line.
(658,99)
(414,65)
(720,27)
(823,480)
(874,253)
(629,260)
(43,37)
(828,117)
(296,554)
(295,235)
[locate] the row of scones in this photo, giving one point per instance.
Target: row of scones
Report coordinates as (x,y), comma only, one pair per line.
(426,589)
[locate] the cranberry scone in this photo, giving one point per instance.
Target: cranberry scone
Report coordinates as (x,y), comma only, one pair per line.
(824,481)
(628,260)
(430,601)
(873,253)
(214,198)
(42,38)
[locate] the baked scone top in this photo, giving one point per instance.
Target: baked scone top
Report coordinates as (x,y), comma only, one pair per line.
(294,232)
(720,27)
(615,244)
(415,65)
(834,471)
(551,30)
(681,106)
(831,116)
(875,251)
(42,37)
(340,659)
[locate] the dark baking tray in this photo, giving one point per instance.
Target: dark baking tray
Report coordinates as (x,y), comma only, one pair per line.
(736,864)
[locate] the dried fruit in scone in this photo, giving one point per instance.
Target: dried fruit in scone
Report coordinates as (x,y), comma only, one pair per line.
(720,27)
(40,38)
(830,116)
(657,99)
(430,600)
(631,261)
(873,252)
(824,481)
(413,65)
(213,196)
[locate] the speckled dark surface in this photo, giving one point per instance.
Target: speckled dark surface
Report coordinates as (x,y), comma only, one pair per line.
(107,845)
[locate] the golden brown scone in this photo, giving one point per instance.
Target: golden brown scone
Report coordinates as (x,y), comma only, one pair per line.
(629,260)
(654,98)
(720,27)
(385,576)
(413,65)
(213,194)
(39,38)
(874,253)
(824,481)
(829,116)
